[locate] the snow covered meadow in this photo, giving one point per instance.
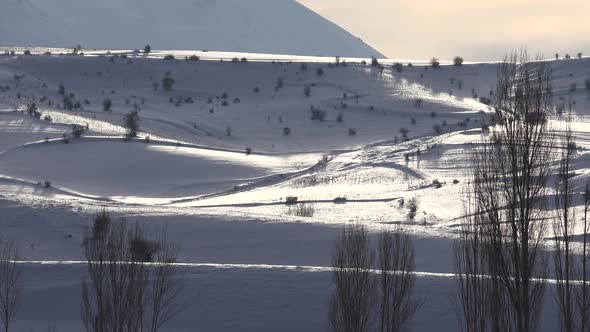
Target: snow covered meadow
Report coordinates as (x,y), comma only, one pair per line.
(223,144)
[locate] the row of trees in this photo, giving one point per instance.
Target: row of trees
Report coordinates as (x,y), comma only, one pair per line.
(501,259)
(132,282)
(520,191)
(372,291)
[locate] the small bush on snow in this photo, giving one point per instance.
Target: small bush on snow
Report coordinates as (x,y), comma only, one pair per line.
(404,131)
(317,114)
(107,104)
(302,210)
(340,200)
(435,63)
(412,206)
(131,123)
(437,184)
(168,83)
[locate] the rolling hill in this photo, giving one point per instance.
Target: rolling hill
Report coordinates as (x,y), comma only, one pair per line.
(260,26)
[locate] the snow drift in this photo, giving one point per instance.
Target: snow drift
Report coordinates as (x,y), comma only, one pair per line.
(262,26)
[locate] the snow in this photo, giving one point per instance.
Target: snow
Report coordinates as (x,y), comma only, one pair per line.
(250,265)
(216,25)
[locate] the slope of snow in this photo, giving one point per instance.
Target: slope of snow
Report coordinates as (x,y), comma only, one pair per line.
(252,264)
(262,26)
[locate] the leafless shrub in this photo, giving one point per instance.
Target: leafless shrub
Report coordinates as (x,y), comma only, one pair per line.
(340,200)
(302,210)
(317,114)
(307,90)
(412,205)
(404,131)
(435,63)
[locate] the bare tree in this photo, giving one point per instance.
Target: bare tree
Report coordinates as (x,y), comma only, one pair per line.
(471,270)
(510,184)
(131,124)
(583,294)
(130,287)
(354,298)
(480,298)
(51,327)
(563,231)
(10,283)
(396,279)
(165,288)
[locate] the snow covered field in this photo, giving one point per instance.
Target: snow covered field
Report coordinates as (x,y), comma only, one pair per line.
(225,206)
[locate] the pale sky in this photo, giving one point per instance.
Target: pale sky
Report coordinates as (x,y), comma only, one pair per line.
(474,29)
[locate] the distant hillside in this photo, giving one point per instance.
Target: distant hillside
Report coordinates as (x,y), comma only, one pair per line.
(260,26)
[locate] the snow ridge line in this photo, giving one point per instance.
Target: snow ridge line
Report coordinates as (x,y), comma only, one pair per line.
(300,268)
(271,267)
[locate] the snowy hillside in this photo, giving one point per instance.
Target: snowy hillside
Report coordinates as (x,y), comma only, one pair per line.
(217,155)
(262,26)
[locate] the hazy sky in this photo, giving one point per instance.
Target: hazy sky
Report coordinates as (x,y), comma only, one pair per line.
(474,29)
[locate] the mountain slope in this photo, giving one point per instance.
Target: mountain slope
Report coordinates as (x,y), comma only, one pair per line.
(262,26)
